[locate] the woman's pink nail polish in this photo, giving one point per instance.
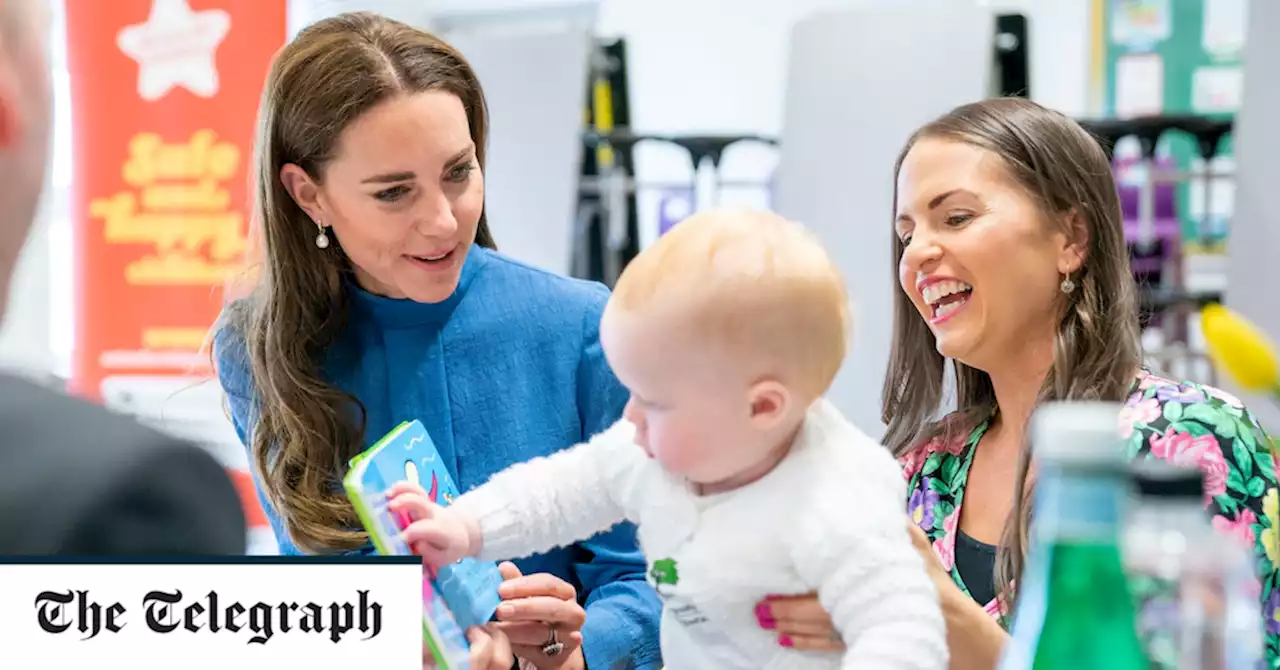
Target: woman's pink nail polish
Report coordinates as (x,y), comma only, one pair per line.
(785,641)
(765,617)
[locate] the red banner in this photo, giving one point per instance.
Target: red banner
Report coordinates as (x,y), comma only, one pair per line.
(165,96)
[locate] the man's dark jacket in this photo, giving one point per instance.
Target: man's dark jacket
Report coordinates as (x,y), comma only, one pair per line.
(79,480)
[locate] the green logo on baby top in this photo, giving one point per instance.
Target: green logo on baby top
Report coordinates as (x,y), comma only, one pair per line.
(664,572)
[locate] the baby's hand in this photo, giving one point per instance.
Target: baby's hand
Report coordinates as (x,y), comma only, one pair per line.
(439,535)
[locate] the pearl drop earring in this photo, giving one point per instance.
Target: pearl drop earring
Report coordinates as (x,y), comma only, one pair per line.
(1068,285)
(322,240)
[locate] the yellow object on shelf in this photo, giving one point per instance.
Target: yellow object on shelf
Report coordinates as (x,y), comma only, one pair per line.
(1240,349)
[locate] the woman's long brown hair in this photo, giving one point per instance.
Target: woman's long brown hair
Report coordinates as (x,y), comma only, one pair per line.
(1097,345)
(306,430)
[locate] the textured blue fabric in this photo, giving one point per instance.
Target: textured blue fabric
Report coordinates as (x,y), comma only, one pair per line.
(507,369)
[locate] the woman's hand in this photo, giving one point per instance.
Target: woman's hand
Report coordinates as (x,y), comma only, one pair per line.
(537,611)
(974,638)
(948,592)
(490,650)
(800,622)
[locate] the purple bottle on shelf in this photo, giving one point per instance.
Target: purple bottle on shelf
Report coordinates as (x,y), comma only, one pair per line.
(1150,249)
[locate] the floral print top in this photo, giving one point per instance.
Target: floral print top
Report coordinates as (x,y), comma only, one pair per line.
(1185,423)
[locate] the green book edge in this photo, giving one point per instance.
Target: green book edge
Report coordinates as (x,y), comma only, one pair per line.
(351,482)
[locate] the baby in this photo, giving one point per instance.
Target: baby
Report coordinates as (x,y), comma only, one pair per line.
(742,479)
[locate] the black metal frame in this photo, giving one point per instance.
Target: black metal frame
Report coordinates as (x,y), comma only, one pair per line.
(1208,131)
(622,143)
(1012,57)
(1171,301)
(610,64)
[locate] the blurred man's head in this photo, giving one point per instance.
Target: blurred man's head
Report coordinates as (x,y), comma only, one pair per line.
(25,119)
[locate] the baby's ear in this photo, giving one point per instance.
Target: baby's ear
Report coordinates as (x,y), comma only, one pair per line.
(770,403)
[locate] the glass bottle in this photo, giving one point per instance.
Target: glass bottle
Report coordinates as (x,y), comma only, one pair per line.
(1075,609)
(1194,590)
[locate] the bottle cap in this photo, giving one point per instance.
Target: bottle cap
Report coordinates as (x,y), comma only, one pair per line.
(1078,432)
(1158,479)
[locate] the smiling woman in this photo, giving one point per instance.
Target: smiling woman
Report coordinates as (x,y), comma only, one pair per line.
(957,222)
(1013,206)
(410,164)
(1014,281)
(382,299)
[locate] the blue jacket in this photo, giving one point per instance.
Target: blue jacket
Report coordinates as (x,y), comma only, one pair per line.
(507,369)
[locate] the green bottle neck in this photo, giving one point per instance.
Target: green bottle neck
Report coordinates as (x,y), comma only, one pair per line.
(1080,507)
(1074,607)
(1079,530)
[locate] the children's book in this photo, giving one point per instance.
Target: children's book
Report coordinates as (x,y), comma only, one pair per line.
(458,596)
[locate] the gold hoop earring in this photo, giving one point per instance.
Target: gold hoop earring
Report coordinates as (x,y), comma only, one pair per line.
(1068,284)
(322,240)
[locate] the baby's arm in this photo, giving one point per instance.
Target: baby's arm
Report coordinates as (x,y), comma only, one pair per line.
(856,550)
(556,500)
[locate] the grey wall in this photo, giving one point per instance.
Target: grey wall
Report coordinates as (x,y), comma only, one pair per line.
(536,84)
(1252,286)
(859,82)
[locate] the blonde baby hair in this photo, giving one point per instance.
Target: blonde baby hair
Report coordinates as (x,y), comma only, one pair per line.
(754,282)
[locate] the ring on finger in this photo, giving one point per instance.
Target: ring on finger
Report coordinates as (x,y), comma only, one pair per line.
(553,645)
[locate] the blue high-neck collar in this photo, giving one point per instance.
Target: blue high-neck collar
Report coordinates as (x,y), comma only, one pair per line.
(405,313)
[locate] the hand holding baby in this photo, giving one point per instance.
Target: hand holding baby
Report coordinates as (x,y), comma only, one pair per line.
(439,535)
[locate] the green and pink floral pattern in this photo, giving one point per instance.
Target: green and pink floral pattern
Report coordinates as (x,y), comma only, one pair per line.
(1180,422)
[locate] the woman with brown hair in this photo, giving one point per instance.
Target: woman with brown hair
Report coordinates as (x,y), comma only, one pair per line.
(1015,286)
(381,298)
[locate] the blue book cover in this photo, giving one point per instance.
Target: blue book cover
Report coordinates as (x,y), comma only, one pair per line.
(459,596)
